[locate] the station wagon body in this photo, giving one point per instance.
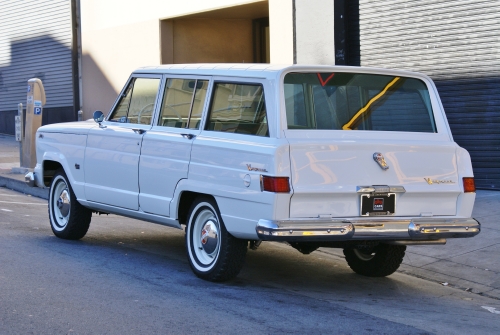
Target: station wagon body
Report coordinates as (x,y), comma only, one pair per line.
(316,156)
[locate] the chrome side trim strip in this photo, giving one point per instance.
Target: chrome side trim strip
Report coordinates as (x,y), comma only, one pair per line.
(140,215)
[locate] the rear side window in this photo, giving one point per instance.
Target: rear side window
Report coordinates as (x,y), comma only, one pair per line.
(137,103)
(183,103)
(354,101)
(238,108)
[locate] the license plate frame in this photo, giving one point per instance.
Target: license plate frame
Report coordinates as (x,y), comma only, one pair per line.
(378,204)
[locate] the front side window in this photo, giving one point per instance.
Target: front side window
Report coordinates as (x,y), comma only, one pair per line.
(356,101)
(137,103)
(183,103)
(238,108)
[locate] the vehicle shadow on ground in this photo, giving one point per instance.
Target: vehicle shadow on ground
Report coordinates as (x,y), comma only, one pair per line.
(273,265)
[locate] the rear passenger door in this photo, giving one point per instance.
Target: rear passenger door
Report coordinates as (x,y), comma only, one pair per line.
(234,148)
(166,147)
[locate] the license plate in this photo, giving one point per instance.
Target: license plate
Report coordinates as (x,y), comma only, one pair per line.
(372,205)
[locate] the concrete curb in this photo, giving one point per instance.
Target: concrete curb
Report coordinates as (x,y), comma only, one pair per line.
(20,186)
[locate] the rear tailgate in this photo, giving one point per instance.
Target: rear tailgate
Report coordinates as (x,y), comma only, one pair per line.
(329,176)
(338,122)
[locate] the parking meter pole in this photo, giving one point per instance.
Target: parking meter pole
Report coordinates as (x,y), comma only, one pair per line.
(34,106)
(19,129)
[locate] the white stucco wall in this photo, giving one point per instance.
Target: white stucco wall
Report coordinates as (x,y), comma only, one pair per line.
(281,31)
(315,42)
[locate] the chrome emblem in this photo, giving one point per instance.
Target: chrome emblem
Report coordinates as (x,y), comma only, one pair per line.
(251,168)
(431,181)
(379,158)
(204,235)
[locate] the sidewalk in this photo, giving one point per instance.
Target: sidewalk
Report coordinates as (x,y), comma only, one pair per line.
(9,160)
(471,264)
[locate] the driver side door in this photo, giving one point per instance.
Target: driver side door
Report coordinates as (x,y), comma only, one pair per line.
(113,150)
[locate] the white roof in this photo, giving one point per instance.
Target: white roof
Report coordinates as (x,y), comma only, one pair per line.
(262,70)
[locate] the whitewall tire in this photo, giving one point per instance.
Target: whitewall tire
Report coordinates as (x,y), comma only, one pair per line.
(213,253)
(68,219)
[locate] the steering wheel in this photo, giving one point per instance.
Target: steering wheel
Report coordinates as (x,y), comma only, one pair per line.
(179,117)
(139,115)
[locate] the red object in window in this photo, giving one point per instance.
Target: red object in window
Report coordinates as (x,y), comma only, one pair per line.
(276,184)
(322,81)
(469,185)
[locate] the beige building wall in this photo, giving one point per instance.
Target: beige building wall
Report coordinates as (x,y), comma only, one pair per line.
(199,41)
(119,36)
(108,57)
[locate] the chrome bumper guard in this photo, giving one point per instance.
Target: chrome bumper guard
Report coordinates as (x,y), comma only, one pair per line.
(310,230)
(29,179)
(304,230)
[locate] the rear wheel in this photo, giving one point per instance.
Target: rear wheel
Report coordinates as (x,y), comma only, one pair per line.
(68,219)
(379,261)
(213,253)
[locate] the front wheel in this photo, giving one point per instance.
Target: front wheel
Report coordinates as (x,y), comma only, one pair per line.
(68,218)
(213,253)
(379,261)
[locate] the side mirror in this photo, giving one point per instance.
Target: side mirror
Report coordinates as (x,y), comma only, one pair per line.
(99,117)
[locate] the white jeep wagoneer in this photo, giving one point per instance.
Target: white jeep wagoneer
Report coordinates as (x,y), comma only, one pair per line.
(316,156)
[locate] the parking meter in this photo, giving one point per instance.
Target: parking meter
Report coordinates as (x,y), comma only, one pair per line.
(34,107)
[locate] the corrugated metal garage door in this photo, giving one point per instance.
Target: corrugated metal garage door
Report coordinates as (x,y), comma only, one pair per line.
(456,43)
(35,42)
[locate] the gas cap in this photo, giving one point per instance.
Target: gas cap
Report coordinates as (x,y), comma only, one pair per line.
(247,180)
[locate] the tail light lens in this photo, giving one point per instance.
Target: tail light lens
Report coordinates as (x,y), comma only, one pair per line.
(469,185)
(275,184)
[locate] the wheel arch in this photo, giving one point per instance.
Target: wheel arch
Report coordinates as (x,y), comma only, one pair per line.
(186,198)
(236,225)
(49,169)
(51,162)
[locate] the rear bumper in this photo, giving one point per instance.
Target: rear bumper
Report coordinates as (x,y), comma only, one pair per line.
(418,229)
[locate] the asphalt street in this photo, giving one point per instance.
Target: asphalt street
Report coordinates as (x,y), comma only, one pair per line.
(130,277)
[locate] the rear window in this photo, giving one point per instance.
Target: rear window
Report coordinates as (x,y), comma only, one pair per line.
(354,101)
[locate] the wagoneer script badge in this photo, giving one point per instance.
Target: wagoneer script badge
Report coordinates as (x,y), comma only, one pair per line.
(431,181)
(379,158)
(250,168)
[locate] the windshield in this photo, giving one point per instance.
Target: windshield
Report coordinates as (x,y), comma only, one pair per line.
(357,101)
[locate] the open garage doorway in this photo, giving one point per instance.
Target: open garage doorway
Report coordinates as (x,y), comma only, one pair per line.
(238,34)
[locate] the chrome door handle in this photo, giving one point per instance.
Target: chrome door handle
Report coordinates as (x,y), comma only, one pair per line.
(188,136)
(139,131)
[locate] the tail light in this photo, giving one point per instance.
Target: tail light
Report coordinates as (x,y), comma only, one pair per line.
(275,184)
(469,185)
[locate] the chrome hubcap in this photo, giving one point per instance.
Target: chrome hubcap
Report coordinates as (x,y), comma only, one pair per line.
(209,238)
(60,203)
(205,238)
(63,203)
